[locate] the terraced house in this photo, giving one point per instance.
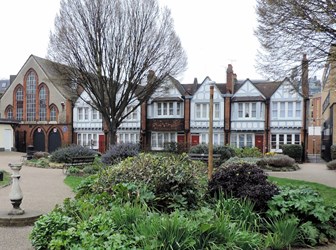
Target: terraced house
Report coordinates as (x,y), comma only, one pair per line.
(246,113)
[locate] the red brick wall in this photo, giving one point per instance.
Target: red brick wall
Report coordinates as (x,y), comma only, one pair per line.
(166,124)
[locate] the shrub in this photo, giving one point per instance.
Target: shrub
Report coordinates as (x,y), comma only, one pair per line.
(175,147)
(333,152)
(119,152)
(331,165)
(247,152)
(308,206)
(173,179)
(292,150)
(225,152)
(65,154)
(278,162)
(233,160)
(40,154)
(243,180)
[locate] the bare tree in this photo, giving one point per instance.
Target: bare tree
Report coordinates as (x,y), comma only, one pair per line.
(117,51)
(288,29)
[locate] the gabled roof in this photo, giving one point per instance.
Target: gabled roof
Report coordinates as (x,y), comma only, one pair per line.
(56,75)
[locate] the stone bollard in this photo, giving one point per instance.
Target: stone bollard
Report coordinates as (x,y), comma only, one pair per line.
(15,195)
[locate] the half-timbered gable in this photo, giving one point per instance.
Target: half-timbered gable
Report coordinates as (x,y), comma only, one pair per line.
(199,114)
(286,112)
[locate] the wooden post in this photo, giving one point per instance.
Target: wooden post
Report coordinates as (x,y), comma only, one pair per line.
(210,158)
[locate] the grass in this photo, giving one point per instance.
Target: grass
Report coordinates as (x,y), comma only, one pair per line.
(328,193)
(73,181)
(6,179)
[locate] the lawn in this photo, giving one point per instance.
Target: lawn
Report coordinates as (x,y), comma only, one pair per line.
(73,181)
(328,193)
(6,179)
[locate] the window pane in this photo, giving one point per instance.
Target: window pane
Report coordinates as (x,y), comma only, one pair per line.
(164,108)
(31,97)
(281,139)
(198,110)
(289,139)
(298,110)
(240,110)
(171,108)
(273,142)
(297,139)
(178,108)
(290,109)
(43,106)
(52,114)
(216,108)
(275,109)
(80,114)
(249,142)
(247,110)
(233,140)
(254,110)
(159,109)
(282,109)
(241,140)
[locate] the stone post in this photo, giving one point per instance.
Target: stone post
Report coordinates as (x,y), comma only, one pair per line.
(15,195)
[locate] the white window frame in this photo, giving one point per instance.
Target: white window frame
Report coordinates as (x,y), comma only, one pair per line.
(158,139)
(240,140)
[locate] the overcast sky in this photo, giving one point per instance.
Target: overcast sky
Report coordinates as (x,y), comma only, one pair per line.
(214,33)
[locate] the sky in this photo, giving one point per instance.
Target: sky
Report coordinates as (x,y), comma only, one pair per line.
(214,33)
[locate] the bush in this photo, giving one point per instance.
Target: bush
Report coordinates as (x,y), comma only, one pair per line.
(247,152)
(308,206)
(225,152)
(175,147)
(119,152)
(331,165)
(40,154)
(173,179)
(237,160)
(243,180)
(278,162)
(292,150)
(333,152)
(65,154)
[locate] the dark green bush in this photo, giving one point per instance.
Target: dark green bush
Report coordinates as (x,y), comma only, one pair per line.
(292,150)
(278,162)
(119,152)
(308,206)
(40,154)
(333,152)
(243,181)
(65,154)
(331,165)
(173,179)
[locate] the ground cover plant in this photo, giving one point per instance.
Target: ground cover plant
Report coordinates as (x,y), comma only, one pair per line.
(160,201)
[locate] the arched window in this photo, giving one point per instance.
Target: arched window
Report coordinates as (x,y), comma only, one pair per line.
(9,112)
(19,104)
(43,103)
(53,114)
(31,96)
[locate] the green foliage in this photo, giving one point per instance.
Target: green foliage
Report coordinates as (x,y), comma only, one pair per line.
(333,152)
(247,152)
(243,181)
(39,154)
(65,154)
(308,206)
(331,165)
(46,227)
(174,179)
(238,160)
(278,162)
(292,150)
(282,232)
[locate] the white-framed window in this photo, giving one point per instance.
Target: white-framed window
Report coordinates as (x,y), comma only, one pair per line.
(247,110)
(202,110)
(80,112)
(83,113)
(168,109)
(129,137)
(160,138)
(96,115)
(218,138)
(88,140)
(86,114)
(279,139)
(242,140)
(286,109)
(134,115)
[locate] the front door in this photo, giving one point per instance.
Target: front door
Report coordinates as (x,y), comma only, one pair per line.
(101,144)
(54,140)
(39,140)
(194,140)
(259,142)
(20,141)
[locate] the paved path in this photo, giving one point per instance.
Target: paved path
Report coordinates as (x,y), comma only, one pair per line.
(42,189)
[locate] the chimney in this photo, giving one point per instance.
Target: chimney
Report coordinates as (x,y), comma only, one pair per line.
(304,78)
(230,79)
(195,85)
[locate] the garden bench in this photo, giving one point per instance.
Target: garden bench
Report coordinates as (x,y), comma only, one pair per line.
(204,157)
(78,161)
